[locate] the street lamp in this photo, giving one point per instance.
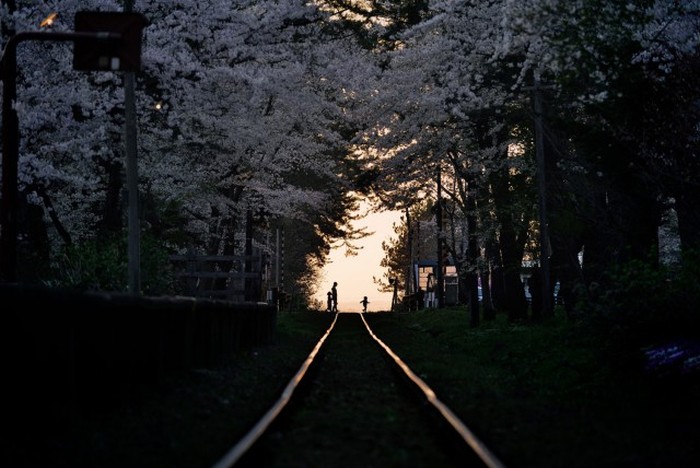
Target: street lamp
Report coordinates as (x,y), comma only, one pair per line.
(48,21)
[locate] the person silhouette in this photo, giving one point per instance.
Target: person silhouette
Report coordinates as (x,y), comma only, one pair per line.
(329,304)
(334,297)
(364,303)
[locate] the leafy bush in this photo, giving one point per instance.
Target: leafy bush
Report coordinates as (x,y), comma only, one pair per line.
(102,264)
(651,301)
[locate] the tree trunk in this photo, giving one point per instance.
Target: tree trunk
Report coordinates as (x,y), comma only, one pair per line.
(512,248)
(488,278)
(250,286)
(486,304)
(33,241)
(473,257)
(514,292)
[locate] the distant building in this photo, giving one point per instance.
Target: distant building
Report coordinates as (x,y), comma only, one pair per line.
(425,274)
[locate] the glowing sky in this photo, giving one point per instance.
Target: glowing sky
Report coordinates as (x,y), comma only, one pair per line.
(354,274)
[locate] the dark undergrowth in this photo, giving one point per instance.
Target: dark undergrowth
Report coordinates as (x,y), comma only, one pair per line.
(555,394)
(190,420)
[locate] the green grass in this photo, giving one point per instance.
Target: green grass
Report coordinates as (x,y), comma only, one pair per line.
(557,394)
(552,394)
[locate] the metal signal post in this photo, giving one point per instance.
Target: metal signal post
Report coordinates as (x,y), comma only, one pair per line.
(116,46)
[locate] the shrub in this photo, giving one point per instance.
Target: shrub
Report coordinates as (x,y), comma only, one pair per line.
(651,301)
(102,264)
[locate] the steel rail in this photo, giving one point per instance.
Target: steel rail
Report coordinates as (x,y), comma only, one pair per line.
(243,445)
(464,432)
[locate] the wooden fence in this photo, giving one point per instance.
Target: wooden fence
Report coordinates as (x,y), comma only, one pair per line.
(236,278)
(64,348)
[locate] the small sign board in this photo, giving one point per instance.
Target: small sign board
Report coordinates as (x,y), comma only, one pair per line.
(675,358)
(107,54)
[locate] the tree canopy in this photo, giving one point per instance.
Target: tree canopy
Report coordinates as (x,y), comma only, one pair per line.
(294,110)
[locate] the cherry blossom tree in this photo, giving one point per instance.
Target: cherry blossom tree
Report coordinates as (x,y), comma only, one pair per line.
(464,78)
(291,110)
(241,110)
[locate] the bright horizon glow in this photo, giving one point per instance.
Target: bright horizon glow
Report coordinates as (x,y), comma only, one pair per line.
(354,274)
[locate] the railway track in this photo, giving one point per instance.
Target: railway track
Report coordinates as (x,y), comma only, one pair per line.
(354,385)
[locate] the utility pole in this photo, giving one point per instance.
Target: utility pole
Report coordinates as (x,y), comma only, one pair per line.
(440,277)
(278,267)
(132,178)
(547,309)
(277,258)
(409,241)
(250,286)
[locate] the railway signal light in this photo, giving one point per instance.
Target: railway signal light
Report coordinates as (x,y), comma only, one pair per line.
(123,54)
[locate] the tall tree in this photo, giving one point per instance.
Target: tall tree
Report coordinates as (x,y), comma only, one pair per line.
(241,107)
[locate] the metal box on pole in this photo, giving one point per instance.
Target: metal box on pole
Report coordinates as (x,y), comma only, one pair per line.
(122,55)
